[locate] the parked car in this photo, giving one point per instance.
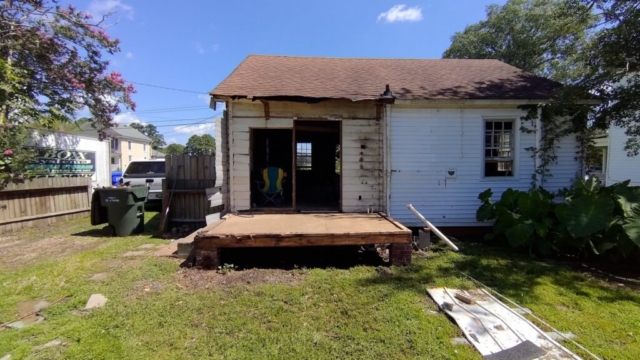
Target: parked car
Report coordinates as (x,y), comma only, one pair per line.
(139,171)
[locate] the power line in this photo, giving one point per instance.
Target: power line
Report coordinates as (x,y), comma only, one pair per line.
(198,123)
(174,108)
(168,120)
(183,124)
(169,88)
(193,108)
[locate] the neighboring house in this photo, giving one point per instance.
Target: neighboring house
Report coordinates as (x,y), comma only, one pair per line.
(441,133)
(127,144)
(64,154)
(155,154)
(616,165)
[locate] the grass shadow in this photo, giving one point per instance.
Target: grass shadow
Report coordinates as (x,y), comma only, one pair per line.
(513,275)
(152,222)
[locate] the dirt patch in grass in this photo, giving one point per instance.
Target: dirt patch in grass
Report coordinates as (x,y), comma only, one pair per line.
(209,279)
(18,251)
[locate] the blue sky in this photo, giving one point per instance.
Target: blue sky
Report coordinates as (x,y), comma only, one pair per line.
(194,45)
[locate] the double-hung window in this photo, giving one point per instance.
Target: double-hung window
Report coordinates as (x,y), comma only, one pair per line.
(498,148)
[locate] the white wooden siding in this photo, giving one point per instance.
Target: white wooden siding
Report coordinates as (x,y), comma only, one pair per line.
(425,143)
(621,167)
(566,169)
(362,180)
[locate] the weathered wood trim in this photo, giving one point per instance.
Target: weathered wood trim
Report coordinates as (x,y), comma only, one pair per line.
(43,216)
(267,113)
(46,189)
(277,240)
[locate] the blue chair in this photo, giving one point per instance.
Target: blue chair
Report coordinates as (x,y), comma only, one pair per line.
(271,186)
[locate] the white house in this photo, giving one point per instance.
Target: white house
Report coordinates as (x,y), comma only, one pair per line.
(440,133)
(616,165)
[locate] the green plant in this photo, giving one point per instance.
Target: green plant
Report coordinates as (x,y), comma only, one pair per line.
(586,219)
(524,218)
(601,218)
(13,155)
(225,269)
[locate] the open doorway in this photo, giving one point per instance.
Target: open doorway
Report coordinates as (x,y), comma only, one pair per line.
(271,163)
(317,165)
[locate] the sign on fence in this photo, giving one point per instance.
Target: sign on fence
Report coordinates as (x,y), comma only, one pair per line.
(53,162)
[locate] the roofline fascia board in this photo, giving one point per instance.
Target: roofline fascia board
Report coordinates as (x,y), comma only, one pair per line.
(485,102)
(438,102)
(471,102)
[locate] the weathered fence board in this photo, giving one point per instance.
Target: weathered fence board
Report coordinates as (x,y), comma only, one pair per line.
(188,206)
(43,201)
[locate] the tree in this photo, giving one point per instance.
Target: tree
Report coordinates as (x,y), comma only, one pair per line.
(151,131)
(174,149)
(544,37)
(614,63)
(51,66)
(592,46)
(201,145)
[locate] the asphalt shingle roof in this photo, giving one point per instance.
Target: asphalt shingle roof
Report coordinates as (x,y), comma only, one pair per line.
(129,132)
(264,76)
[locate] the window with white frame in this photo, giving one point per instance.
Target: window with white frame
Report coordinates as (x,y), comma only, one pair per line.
(144,147)
(498,148)
(129,145)
(114,144)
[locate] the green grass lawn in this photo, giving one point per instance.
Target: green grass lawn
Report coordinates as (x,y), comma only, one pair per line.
(158,311)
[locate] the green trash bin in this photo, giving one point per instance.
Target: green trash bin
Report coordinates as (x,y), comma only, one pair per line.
(121,207)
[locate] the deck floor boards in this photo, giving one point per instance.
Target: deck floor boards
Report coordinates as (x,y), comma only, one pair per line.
(303,230)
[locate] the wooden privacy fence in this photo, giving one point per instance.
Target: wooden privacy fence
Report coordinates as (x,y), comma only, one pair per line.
(183,189)
(43,201)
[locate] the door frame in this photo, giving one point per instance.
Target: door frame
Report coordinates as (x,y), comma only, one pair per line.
(287,209)
(294,167)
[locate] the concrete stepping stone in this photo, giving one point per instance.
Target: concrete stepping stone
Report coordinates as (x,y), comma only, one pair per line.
(95,301)
(53,343)
(21,324)
(134,253)
(99,277)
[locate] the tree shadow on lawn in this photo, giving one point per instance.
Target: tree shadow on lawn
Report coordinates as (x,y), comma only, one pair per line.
(150,229)
(513,275)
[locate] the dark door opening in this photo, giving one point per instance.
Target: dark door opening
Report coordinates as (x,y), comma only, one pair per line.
(271,162)
(317,150)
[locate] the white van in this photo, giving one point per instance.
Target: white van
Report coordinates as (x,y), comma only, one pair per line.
(139,171)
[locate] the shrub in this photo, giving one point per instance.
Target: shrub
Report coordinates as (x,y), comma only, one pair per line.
(588,218)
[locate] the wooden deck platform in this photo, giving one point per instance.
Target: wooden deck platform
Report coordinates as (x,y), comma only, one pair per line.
(275,230)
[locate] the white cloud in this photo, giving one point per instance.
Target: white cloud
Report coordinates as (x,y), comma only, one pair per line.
(198,129)
(401,13)
(99,8)
(172,140)
(126,119)
(200,48)
(205,98)
(129,55)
